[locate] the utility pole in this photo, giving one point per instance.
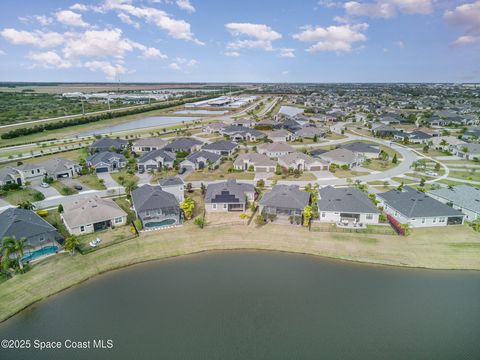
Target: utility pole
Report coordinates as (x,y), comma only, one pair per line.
(83,108)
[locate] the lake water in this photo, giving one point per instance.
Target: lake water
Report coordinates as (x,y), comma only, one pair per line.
(201,112)
(141,124)
(259,305)
(290,110)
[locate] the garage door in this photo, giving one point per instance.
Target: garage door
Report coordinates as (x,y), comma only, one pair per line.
(261,169)
(316,168)
(101,169)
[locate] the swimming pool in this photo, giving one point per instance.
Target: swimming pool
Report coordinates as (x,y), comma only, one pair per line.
(40,252)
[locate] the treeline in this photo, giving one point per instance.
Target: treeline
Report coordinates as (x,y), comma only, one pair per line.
(89,119)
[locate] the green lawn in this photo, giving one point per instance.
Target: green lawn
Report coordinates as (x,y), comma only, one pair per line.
(404,180)
(123,177)
(63,189)
(18,196)
(340,173)
(91,181)
(54,218)
(305,176)
(466,175)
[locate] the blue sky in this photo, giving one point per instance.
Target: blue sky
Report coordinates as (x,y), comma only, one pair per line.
(240,41)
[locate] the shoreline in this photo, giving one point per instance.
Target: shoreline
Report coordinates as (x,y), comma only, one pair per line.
(38,284)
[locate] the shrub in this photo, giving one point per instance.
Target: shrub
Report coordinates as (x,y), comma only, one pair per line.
(42,213)
(200,222)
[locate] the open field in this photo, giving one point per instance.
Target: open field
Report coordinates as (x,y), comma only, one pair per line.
(454,247)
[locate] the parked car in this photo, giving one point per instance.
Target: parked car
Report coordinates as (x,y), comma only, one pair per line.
(44,185)
(77,187)
(431,173)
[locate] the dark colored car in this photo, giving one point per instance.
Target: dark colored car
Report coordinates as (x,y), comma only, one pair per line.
(77,187)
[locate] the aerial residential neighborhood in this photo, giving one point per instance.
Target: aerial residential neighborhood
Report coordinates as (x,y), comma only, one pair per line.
(231,180)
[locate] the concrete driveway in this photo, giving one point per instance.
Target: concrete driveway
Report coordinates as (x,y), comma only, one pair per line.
(72,182)
(107,180)
(47,192)
(143,178)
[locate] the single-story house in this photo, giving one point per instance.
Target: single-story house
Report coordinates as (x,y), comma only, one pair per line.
(291,125)
(142,146)
(156,207)
(188,145)
(275,149)
(212,128)
(106,161)
(416,137)
(87,215)
(448,142)
(310,132)
(61,168)
(201,159)
(413,207)
(244,122)
(228,196)
(281,136)
(21,223)
(368,151)
(173,185)
(32,173)
(155,159)
(382,130)
(346,205)
(221,147)
(259,162)
(342,157)
(468,151)
(471,133)
(284,201)
(461,197)
(242,133)
(10,175)
(302,162)
(108,144)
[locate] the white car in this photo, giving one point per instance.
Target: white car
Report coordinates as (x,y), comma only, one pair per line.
(431,173)
(94,243)
(44,185)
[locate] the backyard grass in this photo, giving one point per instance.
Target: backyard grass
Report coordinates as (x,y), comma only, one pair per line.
(472,175)
(54,219)
(63,189)
(18,196)
(305,176)
(435,248)
(91,181)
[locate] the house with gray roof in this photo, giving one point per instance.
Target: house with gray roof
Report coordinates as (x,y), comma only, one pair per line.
(185,144)
(242,133)
(87,215)
(173,185)
(10,175)
(201,159)
(106,161)
(228,196)
(309,132)
(259,162)
(468,151)
(461,197)
(367,150)
(212,128)
(142,146)
(154,160)
(275,150)
(155,207)
(281,135)
(415,208)
(342,157)
(221,147)
(61,168)
(22,223)
(346,205)
(382,130)
(302,162)
(284,202)
(108,144)
(32,173)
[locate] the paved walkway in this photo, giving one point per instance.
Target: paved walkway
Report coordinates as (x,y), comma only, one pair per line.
(107,180)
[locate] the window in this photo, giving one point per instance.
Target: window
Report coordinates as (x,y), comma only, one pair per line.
(225,206)
(369,216)
(118,220)
(147,213)
(434,220)
(42,238)
(323,214)
(442,220)
(214,206)
(82,228)
(423,220)
(33,172)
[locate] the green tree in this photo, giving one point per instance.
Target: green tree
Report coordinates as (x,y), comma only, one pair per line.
(394,160)
(187,205)
(12,246)
(307,215)
(71,244)
(27,205)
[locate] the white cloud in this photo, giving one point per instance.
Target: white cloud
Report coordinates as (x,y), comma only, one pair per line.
(98,43)
(185,5)
(128,20)
(178,29)
(258,31)
(329,4)
(333,38)
(153,53)
(36,38)
(43,20)
(111,71)
(49,59)
(466,16)
(70,18)
(232,53)
(287,52)
(174,66)
(79,7)
(388,8)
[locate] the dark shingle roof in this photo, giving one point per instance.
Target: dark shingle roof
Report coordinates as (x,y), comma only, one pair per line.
(149,197)
(182,144)
(107,143)
(286,196)
(221,145)
(413,203)
(170,181)
(23,223)
(104,157)
(346,200)
(362,147)
(203,154)
(227,191)
(166,155)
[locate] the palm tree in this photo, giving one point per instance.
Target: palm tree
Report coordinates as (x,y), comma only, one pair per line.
(27,205)
(10,245)
(71,243)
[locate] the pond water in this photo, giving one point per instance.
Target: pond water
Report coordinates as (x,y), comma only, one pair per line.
(290,110)
(140,124)
(259,305)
